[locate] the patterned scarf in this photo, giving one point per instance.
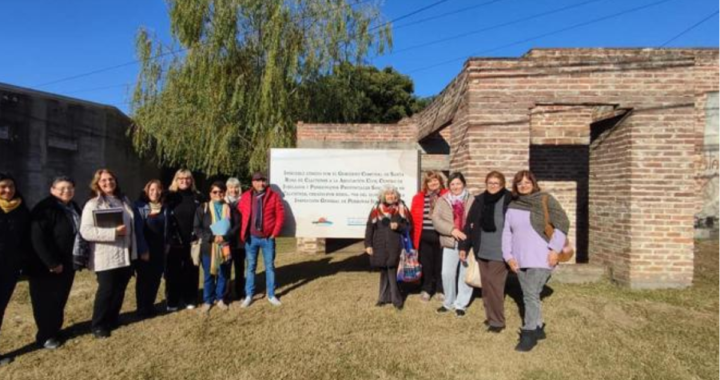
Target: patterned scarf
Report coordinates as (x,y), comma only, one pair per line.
(458,205)
(386,211)
(218,211)
(8,206)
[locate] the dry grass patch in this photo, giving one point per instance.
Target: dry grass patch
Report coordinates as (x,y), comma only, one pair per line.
(328,328)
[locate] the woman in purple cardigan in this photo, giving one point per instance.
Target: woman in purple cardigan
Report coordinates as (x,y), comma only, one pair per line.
(529,252)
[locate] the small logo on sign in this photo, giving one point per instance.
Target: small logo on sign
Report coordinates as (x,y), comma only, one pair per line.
(322,222)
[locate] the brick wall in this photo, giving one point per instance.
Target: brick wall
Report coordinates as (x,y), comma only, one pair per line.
(514,104)
(402,135)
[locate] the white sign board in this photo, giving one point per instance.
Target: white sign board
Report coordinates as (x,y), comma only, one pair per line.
(328,193)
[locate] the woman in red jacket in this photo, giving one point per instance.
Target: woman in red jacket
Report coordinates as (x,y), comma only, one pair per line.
(425,239)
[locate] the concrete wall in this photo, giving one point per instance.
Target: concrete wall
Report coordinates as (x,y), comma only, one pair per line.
(706,221)
(43,135)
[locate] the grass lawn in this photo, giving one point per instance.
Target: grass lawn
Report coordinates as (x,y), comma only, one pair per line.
(328,328)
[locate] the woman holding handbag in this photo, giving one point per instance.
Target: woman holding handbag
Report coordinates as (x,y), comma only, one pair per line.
(425,239)
(529,251)
(484,227)
(388,220)
(449,218)
(215,252)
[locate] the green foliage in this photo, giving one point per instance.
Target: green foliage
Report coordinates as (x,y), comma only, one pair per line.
(360,94)
(229,86)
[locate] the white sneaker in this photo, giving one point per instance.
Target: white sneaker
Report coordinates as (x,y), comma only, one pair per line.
(246,302)
(170,309)
(222,305)
(274,301)
(190,306)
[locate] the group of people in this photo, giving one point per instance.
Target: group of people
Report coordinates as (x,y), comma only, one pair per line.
(506,231)
(164,233)
(171,233)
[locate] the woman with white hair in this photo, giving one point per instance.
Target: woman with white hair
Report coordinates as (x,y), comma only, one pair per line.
(237,247)
(388,220)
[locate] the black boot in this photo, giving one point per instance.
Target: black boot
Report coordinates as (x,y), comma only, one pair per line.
(540,332)
(527,341)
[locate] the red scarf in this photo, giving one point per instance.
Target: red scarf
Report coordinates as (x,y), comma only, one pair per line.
(381,211)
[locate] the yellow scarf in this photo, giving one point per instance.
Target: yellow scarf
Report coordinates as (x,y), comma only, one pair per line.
(8,206)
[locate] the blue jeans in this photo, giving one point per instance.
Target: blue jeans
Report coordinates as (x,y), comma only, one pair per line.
(268,251)
(215,288)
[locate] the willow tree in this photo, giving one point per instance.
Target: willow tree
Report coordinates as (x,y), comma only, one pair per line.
(227,88)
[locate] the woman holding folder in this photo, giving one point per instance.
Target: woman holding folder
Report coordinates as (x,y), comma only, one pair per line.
(109,224)
(215,225)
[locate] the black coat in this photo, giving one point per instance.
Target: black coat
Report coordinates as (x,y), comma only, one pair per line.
(203,221)
(53,237)
(385,242)
(473,224)
(15,237)
(183,205)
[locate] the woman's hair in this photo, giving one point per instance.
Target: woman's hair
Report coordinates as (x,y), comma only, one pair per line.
(182,173)
(233,182)
(62,178)
(457,175)
(497,175)
(519,177)
(388,189)
(8,177)
(220,185)
(431,175)
(145,196)
(95,187)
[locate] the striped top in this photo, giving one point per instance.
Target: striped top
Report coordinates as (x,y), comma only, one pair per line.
(427,218)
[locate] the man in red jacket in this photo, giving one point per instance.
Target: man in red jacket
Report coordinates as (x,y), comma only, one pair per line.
(262,219)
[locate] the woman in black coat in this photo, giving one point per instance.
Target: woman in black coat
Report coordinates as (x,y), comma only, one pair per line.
(386,224)
(55,224)
(14,241)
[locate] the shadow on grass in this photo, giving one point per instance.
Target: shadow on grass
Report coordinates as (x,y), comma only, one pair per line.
(514,291)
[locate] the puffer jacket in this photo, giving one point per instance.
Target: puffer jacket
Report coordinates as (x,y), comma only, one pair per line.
(107,250)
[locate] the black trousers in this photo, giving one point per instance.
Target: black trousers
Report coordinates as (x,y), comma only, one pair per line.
(389,289)
(181,278)
(238,257)
(431,256)
(8,279)
(49,294)
(109,297)
(147,282)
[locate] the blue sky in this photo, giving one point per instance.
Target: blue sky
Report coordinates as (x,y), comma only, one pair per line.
(45,41)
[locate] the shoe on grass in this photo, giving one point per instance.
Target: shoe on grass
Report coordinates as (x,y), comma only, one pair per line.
(274,301)
(459,313)
(442,310)
(222,305)
(528,340)
(540,332)
(246,302)
(190,306)
(5,360)
(205,309)
(440,297)
(101,333)
(425,296)
(495,329)
(52,344)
